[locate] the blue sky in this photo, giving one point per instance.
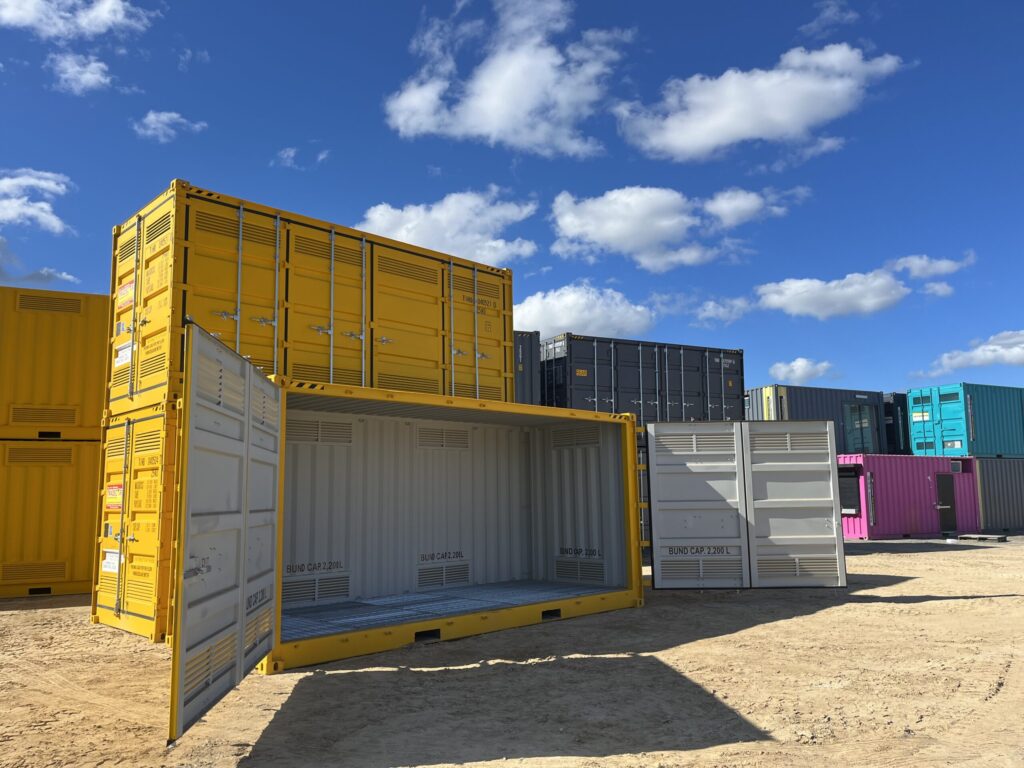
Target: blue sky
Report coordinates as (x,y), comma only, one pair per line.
(833,186)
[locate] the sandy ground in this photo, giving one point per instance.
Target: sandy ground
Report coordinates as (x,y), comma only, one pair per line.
(919,663)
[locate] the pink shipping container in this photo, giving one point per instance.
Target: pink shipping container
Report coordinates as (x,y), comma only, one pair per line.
(891,497)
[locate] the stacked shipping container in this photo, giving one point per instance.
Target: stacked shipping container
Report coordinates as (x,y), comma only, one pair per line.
(51,383)
(967,420)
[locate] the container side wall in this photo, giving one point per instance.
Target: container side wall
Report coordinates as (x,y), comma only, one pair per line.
(52,354)
(897,423)
(47,516)
(858,415)
(527,367)
(1001,494)
(995,420)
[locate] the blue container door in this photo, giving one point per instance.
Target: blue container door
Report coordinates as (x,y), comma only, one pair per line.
(938,421)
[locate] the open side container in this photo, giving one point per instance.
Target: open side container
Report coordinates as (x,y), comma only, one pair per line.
(319,522)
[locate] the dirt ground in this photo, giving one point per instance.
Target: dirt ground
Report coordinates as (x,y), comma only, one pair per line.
(918,663)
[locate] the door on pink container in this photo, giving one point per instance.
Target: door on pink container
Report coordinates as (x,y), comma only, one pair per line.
(946,503)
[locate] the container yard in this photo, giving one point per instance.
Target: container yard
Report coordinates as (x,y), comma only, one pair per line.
(530,383)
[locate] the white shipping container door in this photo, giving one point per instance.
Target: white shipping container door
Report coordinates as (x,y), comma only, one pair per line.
(793,511)
(697,505)
(224,596)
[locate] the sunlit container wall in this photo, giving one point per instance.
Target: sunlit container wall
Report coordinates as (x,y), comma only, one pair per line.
(47,516)
(886,496)
(858,415)
(1001,494)
(967,420)
(52,357)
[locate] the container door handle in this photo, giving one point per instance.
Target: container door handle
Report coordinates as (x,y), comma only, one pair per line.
(225,315)
(322,329)
(353,335)
(264,321)
(385,340)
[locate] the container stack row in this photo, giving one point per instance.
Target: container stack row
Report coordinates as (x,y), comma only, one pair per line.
(51,404)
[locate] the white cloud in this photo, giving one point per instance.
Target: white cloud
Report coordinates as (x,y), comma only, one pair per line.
(856,294)
(831,14)
(164,126)
(542,271)
(286,157)
(799,371)
(701,116)
(821,145)
(940,289)
(527,92)
(735,206)
(50,275)
(20,190)
(466,224)
(1006,348)
(922,267)
(582,308)
(79,74)
(188,56)
(66,19)
(723,311)
(322,155)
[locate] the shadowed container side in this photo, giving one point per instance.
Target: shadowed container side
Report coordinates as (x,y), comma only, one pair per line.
(886,497)
(1001,494)
(859,415)
(897,423)
(526,359)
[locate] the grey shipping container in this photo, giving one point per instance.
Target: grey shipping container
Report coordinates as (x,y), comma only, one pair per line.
(897,437)
(859,415)
(526,360)
(1000,494)
(654,381)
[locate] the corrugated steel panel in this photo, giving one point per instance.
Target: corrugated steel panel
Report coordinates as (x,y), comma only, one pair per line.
(52,356)
(897,423)
(751,504)
(858,415)
(898,496)
(47,516)
(1000,494)
(300,297)
(967,420)
(656,382)
(527,367)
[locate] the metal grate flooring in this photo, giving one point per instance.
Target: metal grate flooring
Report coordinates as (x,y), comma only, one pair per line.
(353,615)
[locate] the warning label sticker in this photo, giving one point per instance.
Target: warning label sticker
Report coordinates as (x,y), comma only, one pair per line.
(111,561)
(126,295)
(123,354)
(115,497)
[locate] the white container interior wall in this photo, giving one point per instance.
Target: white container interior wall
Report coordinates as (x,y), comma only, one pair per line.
(379,506)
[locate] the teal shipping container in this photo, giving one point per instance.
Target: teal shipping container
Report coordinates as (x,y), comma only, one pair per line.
(967,420)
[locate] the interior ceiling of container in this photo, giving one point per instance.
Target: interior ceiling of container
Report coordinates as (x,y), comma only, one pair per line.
(372,407)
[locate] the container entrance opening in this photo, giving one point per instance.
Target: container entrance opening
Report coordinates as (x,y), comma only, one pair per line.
(400,513)
(425,635)
(40,590)
(49,435)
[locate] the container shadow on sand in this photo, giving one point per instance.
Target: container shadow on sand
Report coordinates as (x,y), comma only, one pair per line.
(908,547)
(579,689)
(43,601)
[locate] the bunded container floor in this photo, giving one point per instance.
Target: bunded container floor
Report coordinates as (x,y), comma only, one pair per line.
(350,616)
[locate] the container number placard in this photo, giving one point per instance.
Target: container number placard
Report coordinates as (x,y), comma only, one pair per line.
(582,372)
(703,550)
(126,295)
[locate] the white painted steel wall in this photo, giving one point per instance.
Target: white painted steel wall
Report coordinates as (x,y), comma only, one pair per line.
(378,506)
(745,504)
(697,504)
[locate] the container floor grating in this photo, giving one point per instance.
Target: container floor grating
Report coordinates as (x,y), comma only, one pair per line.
(353,615)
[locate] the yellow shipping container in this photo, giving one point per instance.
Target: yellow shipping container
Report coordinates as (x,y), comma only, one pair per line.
(299,297)
(53,352)
(47,516)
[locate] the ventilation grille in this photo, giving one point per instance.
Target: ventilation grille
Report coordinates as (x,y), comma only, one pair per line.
(257,627)
(147,441)
(228,227)
(696,443)
(27,414)
(137,589)
(488,289)
(43,303)
(688,570)
(792,567)
(420,272)
(315,431)
(436,576)
(208,664)
(121,376)
(25,454)
(579,570)
(787,442)
(316,589)
(33,572)
(407,383)
(158,227)
(322,249)
(486,392)
(704,569)
(438,437)
(115,448)
(153,365)
(267,366)
(576,436)
(126,250)
(307,372)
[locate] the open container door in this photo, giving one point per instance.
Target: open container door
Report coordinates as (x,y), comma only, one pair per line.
(226,571)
